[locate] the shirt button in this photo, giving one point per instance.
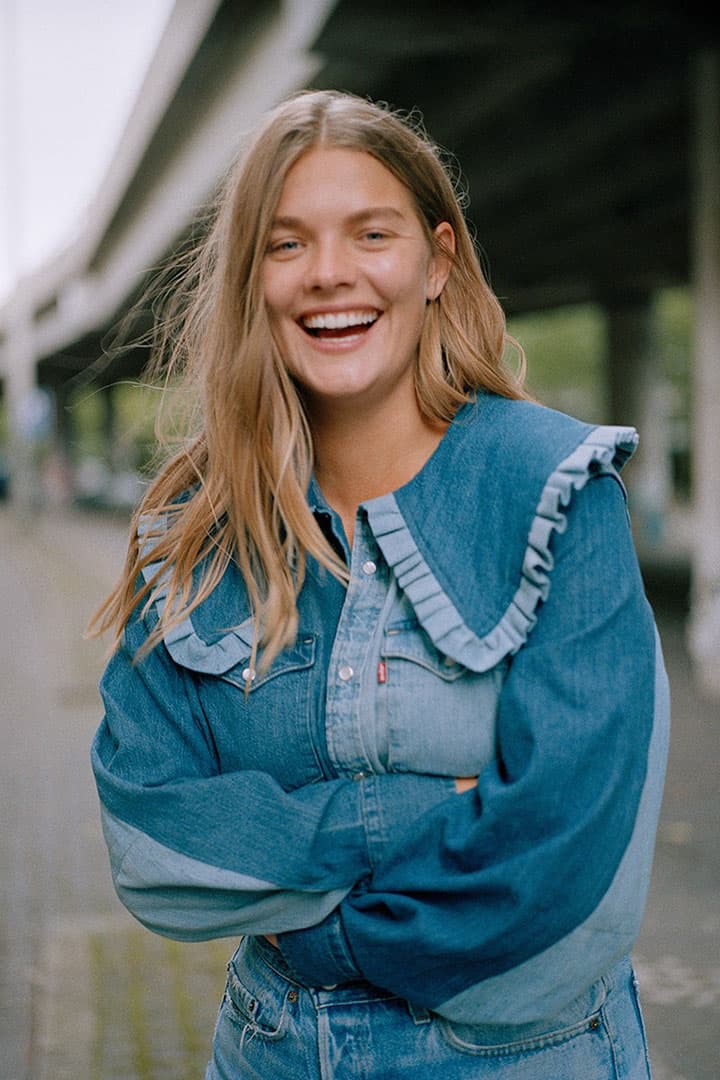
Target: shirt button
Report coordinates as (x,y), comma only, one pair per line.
(369,567)
(249,674)
(359,775)
(346,673)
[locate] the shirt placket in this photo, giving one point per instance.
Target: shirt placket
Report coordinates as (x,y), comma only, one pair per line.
(350,678)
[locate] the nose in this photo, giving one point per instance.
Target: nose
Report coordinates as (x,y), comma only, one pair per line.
(331,265)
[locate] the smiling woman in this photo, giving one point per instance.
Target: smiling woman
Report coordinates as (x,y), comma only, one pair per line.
(371,704)
(346,279)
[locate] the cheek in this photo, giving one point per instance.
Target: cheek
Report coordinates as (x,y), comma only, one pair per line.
(403,281)
(276,292)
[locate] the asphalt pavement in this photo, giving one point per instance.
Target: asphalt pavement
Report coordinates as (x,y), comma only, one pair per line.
(87,994)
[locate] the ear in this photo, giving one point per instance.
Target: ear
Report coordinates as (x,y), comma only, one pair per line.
(440,263)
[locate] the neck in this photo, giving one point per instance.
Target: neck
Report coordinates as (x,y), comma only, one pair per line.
(361,456)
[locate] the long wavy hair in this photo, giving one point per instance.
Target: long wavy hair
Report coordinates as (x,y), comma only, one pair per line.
(236,488)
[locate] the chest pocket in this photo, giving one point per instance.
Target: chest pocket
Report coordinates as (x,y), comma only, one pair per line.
(439,716)
(269,727)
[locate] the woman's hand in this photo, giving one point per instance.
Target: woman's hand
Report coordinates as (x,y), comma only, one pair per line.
(464,783)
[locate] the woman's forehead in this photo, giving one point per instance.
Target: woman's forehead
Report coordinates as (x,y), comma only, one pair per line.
(343,181)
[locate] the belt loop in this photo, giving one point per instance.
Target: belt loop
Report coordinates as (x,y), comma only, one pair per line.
(419,1013)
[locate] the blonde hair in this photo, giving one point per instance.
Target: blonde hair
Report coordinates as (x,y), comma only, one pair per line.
(237,487)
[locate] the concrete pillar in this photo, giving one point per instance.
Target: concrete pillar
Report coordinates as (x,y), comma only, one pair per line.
(704,623)
(60,466)
(21,403)
(629,332)
(637,395)
(109,426)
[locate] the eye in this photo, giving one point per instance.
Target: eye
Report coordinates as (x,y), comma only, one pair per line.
(374,235)
(287,246)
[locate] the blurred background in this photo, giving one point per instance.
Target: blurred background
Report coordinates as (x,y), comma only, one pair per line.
(588,140)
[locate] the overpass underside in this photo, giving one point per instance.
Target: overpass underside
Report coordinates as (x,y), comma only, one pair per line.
(589,141)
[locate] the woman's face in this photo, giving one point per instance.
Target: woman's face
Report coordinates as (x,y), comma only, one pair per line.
(346,277)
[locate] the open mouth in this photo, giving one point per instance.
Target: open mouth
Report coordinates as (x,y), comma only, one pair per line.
(338,324)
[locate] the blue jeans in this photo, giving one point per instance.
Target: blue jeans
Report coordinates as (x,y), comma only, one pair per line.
(270,1027)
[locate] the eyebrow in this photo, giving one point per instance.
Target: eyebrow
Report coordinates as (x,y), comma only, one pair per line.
(357,218)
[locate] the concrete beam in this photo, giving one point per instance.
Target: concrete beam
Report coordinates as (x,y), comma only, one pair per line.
(85,286)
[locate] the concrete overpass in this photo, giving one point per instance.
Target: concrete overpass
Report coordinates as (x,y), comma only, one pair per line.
(589,137)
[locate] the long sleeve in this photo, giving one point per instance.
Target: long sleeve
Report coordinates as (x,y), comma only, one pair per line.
(197,853)
(508,901)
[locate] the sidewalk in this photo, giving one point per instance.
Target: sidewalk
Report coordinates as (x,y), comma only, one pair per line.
(87,994)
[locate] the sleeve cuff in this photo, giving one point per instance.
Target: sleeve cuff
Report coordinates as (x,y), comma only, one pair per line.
(320,955)
(392,804)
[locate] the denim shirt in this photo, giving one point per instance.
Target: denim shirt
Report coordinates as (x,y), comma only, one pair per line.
(495,625)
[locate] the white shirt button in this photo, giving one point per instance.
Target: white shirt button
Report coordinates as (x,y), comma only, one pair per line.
(249,674)
(369,567)
(346,673)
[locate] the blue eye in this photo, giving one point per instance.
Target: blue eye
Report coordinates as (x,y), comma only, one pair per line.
(284,245)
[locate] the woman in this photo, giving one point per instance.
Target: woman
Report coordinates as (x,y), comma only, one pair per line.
(387,697)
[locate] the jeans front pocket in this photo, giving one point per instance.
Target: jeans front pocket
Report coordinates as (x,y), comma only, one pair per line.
(261,1008)
(254,1019)
(576,1044)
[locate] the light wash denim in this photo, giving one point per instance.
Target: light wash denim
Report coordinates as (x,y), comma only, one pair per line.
(271,1027)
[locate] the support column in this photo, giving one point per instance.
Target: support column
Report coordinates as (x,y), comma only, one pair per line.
(60,468)
(704,624)
(21,405)
(109,423)
(109,426)
(638,396)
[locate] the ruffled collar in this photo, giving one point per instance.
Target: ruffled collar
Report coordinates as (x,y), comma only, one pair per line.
(469,538)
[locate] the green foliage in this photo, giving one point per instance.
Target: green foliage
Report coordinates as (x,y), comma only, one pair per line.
(135,407)
(565,350)
(674,328)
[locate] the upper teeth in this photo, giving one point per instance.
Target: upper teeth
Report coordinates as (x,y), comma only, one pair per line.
(338,320)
